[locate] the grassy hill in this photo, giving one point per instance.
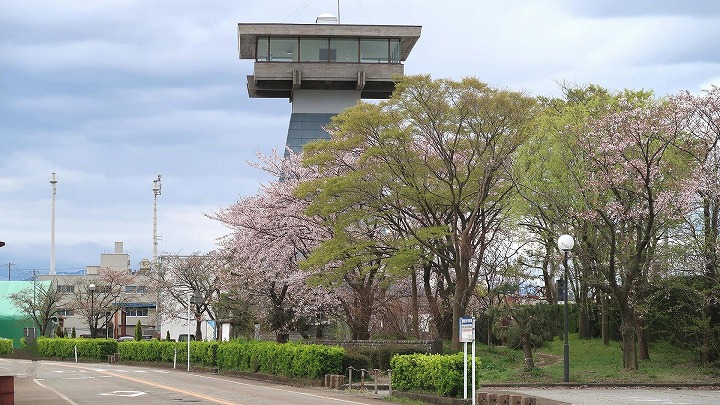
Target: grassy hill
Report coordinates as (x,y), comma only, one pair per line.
(593,362)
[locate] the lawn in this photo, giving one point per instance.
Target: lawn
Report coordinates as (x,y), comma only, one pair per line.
(592,362)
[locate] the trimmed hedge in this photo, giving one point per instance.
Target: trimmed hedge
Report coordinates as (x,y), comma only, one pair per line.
(288,359)
(149,350)
(442,375)
(6,346)
(64,348)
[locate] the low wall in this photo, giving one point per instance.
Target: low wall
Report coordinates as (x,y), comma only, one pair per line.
(431,346)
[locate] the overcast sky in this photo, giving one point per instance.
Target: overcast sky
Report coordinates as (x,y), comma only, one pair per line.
(109,93)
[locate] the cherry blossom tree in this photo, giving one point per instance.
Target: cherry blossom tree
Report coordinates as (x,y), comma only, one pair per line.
(270,234)
(703,225)
(634,187)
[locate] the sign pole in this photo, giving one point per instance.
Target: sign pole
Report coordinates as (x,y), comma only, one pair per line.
(465,370)
(473,365)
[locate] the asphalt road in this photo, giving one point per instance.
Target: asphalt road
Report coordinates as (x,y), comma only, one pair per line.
(48,382)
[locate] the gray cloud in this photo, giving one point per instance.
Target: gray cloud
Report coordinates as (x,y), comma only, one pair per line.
(108,94)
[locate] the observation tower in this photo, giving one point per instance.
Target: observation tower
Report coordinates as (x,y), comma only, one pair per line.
(323,68)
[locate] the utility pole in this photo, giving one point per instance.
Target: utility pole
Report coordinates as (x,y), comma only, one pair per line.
(53,182)
(9,264)
(157,190)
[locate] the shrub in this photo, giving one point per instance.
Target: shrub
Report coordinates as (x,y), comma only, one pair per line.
(440,374)
(355,360)
(138,331)
(73,334)
(6,346)
(289,359)
(64,348)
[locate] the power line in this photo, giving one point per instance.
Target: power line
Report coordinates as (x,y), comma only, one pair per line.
(298,10)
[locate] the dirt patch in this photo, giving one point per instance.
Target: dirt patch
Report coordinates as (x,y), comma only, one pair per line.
(544,359)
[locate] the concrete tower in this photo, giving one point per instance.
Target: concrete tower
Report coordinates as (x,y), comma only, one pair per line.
(323,68)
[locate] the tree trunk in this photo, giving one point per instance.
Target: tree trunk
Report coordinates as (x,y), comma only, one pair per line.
(442,320)
(605,320)
(415,306)
(642,338)
(583,321)
(359,311)
(198,330)
(489,330)
(628,332)
(458,311)
(527,349)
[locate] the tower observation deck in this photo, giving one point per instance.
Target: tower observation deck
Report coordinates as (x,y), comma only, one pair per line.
(323,68)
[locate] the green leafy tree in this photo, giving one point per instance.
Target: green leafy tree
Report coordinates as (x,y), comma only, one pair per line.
(525,325)
(429,167)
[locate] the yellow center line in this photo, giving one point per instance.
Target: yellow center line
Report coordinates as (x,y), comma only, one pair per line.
(156,385)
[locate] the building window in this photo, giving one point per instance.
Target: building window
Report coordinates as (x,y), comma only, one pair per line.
(65,288)
(315,50)
(135,289)
(348,50)
(374,50)
(136,311)
(65,312)
(262,50)
(283,50)
(394,51)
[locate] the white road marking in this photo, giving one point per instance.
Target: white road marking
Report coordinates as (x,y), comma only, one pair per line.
(124,393)
(61,395)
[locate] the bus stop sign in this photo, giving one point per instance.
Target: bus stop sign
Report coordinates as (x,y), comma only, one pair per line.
(467,329)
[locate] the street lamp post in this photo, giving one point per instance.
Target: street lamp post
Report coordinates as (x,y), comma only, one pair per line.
(91,287)
(566,243)
(191,300)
